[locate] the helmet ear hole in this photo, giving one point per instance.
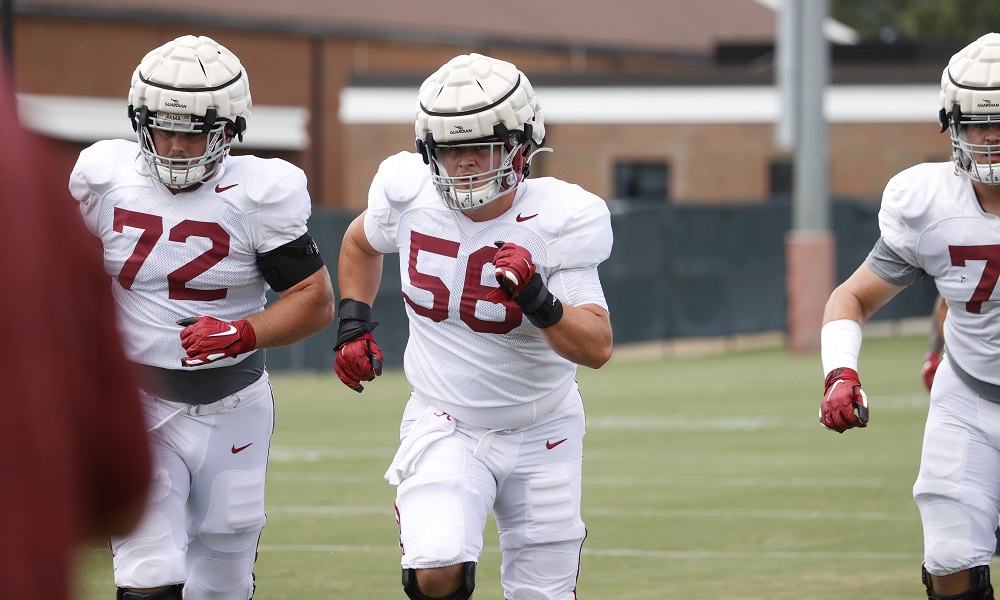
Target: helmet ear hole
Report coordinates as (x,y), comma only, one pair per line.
(516,138)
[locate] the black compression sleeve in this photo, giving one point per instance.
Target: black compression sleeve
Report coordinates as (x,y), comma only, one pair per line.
(287,265)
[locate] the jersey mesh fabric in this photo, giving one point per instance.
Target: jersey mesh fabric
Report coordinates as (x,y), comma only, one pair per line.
(462,348)
(932,219)
(193,253)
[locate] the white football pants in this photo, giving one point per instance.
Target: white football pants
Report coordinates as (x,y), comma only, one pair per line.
(530,477)
(958,488)
(205,509)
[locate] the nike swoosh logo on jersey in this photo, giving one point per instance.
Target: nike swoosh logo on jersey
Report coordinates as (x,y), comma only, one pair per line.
(231,331)
(521,219)
(551,445)
(219,189)
(241,448)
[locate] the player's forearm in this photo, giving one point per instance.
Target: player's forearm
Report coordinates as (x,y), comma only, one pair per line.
(359,277)
(359,268)
(302,311)
(859,297)
(583,335)
(843,305)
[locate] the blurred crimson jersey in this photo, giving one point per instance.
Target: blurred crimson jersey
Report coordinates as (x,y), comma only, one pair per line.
(931,218)
(463,350)
(73,451)
(192,253)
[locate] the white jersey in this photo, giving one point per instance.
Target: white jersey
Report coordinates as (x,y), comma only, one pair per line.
(462,348)
(193,253)
(930,216)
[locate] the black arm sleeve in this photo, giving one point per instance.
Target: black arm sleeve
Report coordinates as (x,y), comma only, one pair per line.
(287,265)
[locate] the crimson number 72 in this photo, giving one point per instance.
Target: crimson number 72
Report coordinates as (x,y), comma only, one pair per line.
(152,229)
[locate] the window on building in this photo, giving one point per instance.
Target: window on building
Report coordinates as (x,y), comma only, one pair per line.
(642,181)
(781,177)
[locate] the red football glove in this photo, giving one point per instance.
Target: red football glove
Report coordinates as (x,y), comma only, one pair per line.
(930,367)
(844,402)
(357,357)
(207,339)
(514,269)
(358,360)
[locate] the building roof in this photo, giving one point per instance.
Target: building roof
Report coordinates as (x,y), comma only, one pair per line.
(884,84)
(660,27)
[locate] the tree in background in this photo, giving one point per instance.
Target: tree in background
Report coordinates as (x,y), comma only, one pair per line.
(891,20)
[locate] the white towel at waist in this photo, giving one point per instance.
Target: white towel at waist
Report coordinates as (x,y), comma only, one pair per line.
(433,424)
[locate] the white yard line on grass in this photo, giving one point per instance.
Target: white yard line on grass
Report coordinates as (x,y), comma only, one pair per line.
(678,513)
(290,454)
(672,554)
(737,513)
(782,482)
(599,480)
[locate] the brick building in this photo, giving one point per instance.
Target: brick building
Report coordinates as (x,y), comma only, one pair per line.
(645,100)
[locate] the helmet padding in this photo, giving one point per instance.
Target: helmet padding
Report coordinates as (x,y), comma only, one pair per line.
(478,100)
(970,94)
(190,75)
(190,85)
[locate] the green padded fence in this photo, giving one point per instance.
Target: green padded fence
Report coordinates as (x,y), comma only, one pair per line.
(675,272)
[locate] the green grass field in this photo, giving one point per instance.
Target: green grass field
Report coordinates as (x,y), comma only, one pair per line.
(705,477)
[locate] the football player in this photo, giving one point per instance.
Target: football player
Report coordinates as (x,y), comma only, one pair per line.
(192,239)
(499,277)
(942,220)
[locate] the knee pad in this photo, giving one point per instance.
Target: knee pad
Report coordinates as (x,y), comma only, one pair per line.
(217,578)
(981,588)
(171,593)
(462,593)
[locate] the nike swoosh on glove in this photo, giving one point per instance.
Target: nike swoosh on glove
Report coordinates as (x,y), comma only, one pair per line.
(514,269)
(845,404)
(207,339)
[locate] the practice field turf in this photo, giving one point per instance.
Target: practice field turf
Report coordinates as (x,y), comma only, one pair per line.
(705,477)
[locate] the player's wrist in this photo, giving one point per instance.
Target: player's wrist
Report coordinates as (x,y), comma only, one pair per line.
(842,374)
(355,321)
(841,344)
(541,308)
(248,335)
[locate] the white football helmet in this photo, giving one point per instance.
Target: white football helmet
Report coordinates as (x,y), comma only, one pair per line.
(970,94)
(475,100)
(190,85)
